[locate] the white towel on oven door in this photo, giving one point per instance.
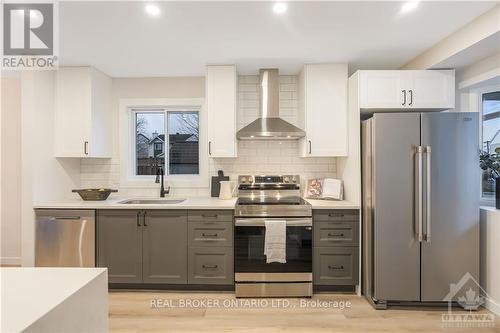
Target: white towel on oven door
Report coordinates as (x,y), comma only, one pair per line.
(275,241)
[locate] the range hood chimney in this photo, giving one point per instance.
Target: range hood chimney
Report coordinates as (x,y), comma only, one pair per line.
(269,126)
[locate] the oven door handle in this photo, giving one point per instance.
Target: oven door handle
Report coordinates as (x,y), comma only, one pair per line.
(251,222)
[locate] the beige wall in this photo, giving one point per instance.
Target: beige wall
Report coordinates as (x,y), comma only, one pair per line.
(10,251)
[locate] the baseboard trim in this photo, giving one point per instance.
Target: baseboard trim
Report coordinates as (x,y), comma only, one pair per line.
(10,261)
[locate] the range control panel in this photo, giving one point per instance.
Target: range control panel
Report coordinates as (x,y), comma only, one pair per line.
(263,179)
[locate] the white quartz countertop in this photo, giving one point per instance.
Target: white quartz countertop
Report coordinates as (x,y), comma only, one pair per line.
(332,204)
(189,203)
(29,293)
(490,209)
(115,203)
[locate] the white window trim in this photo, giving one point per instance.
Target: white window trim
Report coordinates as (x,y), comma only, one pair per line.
(128,179)
(477,94)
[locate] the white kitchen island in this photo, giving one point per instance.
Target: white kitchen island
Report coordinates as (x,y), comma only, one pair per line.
(40,299)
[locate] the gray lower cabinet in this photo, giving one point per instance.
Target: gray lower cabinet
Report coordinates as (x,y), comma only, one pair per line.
(164,255)
(336,234)
(119,245)
(209,233)
(336,265)
(166,246)
(210,247)
(210,265)
(143,246)
(336,247)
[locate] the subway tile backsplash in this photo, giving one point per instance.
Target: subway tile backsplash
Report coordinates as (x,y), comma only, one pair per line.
(254,157)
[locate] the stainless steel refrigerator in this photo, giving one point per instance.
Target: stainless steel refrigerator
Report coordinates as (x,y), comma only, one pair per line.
(421,185)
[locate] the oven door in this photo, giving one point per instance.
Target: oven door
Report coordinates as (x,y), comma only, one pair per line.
(249,235)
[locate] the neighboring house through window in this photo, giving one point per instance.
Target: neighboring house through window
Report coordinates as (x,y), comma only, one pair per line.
(182,155)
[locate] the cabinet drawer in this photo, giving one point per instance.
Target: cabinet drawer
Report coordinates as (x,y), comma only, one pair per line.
(210,215)
(335,266)
(336,234)
(340,215)
(210,265)
(210,233)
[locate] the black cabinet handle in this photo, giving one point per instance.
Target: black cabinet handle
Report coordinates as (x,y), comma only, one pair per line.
(211,216)
(209,235)
(86,147)
(138,219)
(310,147)
(144,219)
(209,147)
(404,97)
(336,267)
(336,235)
(411,97)
(335,215)
(209,266)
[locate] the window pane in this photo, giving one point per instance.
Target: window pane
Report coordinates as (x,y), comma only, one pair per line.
(183,137)
(491,137)
(150,142)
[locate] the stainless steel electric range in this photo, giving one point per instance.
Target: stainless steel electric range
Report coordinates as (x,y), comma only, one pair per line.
(268,198)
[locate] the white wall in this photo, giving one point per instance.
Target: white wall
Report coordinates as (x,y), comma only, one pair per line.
(253,157)
(490,252)
(271,157)
(466,37)
(106,172)
(473,79)
(10,179)
(44,178)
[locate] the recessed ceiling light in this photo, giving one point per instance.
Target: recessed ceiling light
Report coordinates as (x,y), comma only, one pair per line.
(152,10)
(280,7)
(409,6)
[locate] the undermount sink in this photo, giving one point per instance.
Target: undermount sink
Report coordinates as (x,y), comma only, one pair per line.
(152,201)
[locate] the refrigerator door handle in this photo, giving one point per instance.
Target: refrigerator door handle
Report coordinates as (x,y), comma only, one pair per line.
(428,194)
(418,194)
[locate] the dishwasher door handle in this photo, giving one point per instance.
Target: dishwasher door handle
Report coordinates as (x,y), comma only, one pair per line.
(66,218)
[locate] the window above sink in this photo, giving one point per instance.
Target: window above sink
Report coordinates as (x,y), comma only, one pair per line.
(163,133)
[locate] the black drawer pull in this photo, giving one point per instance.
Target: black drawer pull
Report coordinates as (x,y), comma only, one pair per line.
(211,216)
(335,215)
(209,266)
(336,267)
(336,235)
(208,235)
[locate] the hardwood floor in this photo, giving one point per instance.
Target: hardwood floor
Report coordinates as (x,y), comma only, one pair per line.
(132,312)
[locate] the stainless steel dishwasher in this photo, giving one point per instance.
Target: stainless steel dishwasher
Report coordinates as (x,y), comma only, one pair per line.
(65,238)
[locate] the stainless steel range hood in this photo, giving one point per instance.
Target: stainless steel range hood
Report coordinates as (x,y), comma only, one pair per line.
(269,126)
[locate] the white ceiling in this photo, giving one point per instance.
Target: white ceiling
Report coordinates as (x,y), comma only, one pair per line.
(123,41)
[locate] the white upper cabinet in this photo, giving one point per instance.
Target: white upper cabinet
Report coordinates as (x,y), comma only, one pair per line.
(82,113)
(323,110)
(407,89)
(433,89)
(222,88)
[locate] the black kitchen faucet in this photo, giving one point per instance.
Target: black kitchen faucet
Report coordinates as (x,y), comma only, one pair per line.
(159,175)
